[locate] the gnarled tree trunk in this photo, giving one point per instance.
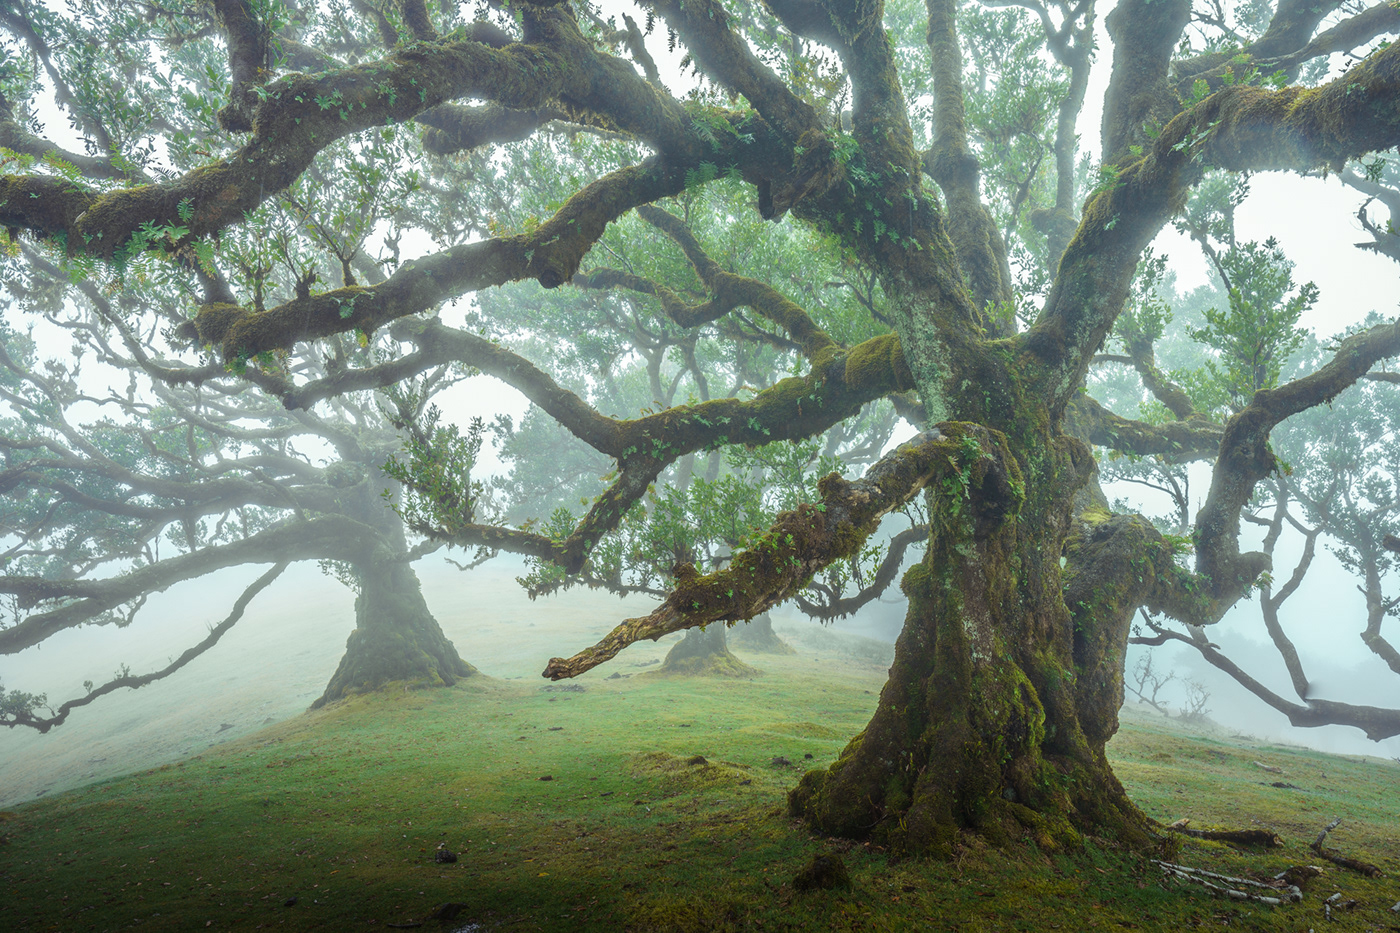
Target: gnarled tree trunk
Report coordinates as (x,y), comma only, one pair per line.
(396,638)
(1000,701)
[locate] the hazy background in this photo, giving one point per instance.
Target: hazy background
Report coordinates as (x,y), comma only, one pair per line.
(277,660)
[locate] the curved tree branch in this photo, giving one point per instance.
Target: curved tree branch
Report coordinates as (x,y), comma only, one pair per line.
(799,544)
(133,682)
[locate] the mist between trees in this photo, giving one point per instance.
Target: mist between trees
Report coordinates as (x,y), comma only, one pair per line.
(723,295)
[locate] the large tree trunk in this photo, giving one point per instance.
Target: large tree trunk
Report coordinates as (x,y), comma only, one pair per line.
(705,652)
(999,702)
(396,638)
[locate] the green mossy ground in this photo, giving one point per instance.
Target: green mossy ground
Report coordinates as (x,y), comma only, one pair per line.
(344,808)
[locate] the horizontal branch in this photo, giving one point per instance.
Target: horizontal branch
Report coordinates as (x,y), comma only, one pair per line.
(1377,722)
(550,254)
(1179,441)
(130,682)
(324,537)
(799,544)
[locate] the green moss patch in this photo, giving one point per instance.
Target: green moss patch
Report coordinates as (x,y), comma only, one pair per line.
(345,808)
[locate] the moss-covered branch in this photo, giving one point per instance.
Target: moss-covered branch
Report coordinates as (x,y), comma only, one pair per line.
(299,115)
(1145,34)
(1239,129)
(247,57)
(952,163)
(799,544)
(550,254)
(1288,44)
(703,25)
(453,128)
(1179,441)
(1246,457)
(415,17)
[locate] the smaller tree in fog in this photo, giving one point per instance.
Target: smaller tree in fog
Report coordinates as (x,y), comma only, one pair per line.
(173,471)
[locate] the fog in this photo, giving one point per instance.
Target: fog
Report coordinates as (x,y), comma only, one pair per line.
(274,663)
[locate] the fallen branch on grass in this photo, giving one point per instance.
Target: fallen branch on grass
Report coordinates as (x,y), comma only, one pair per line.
(1269,768)
(1207,879)
(1337,858)
(1248,837)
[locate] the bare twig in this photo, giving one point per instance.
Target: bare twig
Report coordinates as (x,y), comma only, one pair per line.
(1337,858)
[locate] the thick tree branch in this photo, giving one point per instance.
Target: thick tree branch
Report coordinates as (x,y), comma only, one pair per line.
(1178,441)
(1246,458)
(300,115)
(1237,129)
(1145,33)
(1378,723)
(550,254)
(703,25)
(248,54)
(799,544)
(952,163)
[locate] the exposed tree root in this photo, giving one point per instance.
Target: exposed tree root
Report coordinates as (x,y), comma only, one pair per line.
(1247,837)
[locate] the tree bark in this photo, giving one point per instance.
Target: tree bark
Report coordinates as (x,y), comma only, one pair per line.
(705,652)
(396,638)
(1000,701)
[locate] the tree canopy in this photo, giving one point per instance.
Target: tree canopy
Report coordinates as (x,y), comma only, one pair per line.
(719,290)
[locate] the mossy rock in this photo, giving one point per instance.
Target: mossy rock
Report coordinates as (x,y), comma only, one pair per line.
(823,872)
(673,774)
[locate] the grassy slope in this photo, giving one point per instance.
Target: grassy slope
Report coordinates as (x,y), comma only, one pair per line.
(344,808)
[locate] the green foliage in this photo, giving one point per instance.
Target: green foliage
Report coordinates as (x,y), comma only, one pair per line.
(1258,331)
(436,466)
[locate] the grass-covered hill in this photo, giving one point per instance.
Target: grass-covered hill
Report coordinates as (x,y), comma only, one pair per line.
(648,803)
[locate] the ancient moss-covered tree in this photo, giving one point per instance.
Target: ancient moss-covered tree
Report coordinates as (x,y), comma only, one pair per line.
(160,487)
(924,145)
(127,472)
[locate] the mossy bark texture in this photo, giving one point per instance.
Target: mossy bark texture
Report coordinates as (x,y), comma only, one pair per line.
(981,726)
